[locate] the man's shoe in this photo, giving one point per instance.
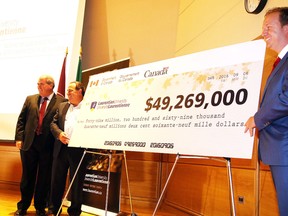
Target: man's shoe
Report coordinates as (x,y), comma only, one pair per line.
(40,213)
(20,212)
(74,213)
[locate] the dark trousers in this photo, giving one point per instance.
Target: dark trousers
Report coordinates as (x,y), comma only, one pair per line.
(68,159)
(280,179)
(36,175)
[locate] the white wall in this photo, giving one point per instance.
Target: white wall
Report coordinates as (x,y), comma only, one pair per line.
(152,30)
(206,24)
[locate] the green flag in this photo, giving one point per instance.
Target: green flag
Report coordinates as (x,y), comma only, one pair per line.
(79,70)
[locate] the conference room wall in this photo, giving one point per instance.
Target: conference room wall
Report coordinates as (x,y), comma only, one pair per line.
(148,31)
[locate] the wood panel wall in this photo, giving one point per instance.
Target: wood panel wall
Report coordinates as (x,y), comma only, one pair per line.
(10,166)
(196,187)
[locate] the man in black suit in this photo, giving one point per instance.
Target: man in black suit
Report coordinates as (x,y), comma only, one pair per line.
(35,143)
(65,157)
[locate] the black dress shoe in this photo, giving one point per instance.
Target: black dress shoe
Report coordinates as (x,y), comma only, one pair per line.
(40,213)
(20,212)
(74,214)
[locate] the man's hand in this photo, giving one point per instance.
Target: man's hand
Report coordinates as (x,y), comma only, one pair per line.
(64,138)
(250,125)
(19,144)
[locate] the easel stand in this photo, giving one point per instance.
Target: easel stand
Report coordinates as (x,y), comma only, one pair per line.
(128,185)
(229,173)
(108,180)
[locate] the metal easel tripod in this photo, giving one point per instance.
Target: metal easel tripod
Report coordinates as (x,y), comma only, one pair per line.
(229,173)
(108,181)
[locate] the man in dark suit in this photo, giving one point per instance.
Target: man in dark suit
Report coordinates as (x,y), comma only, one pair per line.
(65,157)
(271,119)
(35,143)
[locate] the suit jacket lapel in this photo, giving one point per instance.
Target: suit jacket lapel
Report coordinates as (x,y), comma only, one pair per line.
(37,102)
(276,69)
(279,65)
(66,107)
(64,112)
(51,104)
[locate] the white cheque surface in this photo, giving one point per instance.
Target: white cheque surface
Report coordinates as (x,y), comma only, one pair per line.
(195,104)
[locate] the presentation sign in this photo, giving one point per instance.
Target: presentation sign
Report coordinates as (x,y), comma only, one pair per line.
(97,179)
(195,104)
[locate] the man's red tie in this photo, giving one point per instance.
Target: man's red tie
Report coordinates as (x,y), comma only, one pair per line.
(276,62)
(41,115)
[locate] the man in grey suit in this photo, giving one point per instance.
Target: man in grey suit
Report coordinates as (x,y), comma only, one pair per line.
(35,142)
(272,117)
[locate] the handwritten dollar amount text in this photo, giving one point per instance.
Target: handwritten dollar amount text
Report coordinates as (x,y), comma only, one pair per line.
(198,101)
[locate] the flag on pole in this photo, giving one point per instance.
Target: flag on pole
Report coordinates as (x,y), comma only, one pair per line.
(62,80)
(79,69)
